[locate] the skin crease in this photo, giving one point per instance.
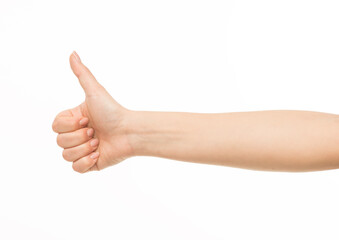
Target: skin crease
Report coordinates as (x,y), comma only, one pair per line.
(276,140)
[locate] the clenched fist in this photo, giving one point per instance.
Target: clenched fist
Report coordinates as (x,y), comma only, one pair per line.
(94,134)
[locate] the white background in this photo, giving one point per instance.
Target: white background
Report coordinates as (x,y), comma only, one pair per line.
(178,55)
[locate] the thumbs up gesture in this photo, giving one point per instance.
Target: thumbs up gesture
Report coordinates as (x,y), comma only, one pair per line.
(93,134)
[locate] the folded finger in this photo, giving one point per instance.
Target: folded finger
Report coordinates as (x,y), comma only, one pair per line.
(68,124)
(75,138)
(85,163)
(75,153)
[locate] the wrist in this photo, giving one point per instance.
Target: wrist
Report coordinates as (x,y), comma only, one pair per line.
(135,126)
(150,133)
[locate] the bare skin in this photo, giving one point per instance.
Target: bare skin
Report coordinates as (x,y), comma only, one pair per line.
(277,140)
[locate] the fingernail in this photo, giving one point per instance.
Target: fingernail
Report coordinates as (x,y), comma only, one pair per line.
(83,121)
(94,142)
(94,155)
(90,132)
(76,56)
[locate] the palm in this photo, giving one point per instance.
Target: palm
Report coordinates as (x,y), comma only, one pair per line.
(106,118)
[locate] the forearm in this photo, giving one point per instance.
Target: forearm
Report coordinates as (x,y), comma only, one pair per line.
(278,140)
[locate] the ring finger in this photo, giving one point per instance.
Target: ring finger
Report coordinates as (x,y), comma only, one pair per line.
(74,153)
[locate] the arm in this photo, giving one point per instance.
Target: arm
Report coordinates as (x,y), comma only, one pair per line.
(100,133)
(262,140)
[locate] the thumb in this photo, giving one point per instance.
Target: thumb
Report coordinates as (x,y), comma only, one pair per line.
(86,78)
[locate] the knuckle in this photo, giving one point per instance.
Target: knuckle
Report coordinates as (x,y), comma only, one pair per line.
(66,155)
(55,125)
(59,140)
(76,168)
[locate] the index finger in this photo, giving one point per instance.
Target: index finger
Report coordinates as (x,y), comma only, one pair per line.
(63,124)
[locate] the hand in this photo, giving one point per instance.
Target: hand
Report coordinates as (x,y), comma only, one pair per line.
(94,134)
